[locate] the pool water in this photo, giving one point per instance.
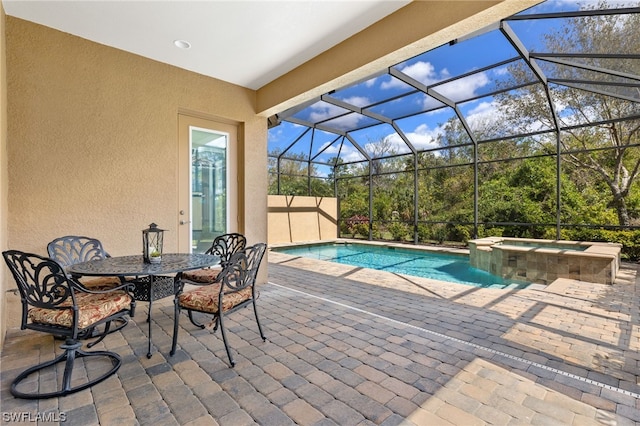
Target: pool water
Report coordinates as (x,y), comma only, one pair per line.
(437,266)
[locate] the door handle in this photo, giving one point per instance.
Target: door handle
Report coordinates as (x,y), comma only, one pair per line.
(184,222)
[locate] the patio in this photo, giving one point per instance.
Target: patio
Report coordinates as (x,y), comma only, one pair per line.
(349,346)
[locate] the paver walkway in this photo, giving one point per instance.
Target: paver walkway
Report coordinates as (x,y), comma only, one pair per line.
(349,346)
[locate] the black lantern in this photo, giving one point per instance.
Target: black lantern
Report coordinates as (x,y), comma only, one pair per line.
(152,244)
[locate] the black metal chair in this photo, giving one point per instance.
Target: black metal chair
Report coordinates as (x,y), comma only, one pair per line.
(72,249)
(225,246)
(233,289)
(54,303)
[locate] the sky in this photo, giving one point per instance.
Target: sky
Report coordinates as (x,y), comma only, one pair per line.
(426,124)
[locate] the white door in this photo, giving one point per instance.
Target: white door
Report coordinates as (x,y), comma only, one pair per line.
(207,185)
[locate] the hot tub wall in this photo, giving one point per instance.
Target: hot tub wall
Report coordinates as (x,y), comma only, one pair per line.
(544,266)
(516,259)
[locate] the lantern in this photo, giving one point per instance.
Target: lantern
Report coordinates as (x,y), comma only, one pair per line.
(152,244)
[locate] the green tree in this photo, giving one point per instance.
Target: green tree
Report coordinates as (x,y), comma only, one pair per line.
(606,154)
(294,177)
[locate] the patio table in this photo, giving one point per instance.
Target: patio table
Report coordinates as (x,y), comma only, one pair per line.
(152,281)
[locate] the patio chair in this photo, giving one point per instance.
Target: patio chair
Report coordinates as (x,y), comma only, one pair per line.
(54,303)
(72,249)
(225,246)
(234,289)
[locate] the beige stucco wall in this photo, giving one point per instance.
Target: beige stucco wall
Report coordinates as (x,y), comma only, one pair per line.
(93,146)
(295,219)
(4,176)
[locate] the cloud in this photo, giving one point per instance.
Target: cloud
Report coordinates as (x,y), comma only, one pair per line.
(275,136)
(484,112)
(422,137)
(425,73)
(463,88)
(422,71)
(502,71)
(359,101)
(321,111)
(371,82)
(347,154)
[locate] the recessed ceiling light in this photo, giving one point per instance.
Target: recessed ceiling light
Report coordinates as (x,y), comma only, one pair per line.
(182,44)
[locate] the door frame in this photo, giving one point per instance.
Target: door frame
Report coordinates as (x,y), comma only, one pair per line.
(186,122)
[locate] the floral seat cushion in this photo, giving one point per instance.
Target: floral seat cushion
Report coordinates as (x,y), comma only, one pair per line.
(204,276)
(205,298)
(91,309)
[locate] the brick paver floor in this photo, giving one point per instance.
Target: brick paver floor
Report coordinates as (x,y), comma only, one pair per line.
(350,346)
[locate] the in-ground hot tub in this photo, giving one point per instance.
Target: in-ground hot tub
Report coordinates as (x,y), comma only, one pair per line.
(543,261)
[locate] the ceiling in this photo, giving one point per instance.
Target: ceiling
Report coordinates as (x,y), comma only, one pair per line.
(248,43)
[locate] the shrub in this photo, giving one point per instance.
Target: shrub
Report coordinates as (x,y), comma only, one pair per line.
(458,233)
(399,231)
(423,233)
(357,225)
(361,229)
(489,231)
(630,239)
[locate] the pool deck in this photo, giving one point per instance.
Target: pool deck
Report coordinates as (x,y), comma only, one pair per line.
(351,346)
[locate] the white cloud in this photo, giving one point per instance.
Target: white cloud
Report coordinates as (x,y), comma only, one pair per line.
(484,112)
(463,88)
(421,138)
(347,154)
(359,101)
(424,72)
(275,135)
(501,71)
(321,111)
(484,108)
(371,82)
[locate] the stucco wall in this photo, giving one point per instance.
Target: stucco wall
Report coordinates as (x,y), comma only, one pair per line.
(294,218)
(4,179)
(93,141)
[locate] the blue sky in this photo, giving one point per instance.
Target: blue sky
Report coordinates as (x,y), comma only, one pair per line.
(440,64)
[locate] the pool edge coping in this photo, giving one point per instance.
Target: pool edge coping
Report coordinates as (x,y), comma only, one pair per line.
(389,244)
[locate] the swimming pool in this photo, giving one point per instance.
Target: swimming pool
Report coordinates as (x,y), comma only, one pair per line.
(420,263)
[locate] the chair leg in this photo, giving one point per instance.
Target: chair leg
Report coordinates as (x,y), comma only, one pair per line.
(176,320)
(93,332)
(216,323)
(107,326)
(224,339)
(193,321)
(122,323)
(255,311)
(71,353)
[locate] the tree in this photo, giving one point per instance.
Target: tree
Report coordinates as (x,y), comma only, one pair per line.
(294,177)
(604,152)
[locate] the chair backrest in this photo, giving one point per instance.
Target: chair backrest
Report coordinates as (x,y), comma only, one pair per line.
(242,269)
(73,249)
(42,282)
(227,245)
